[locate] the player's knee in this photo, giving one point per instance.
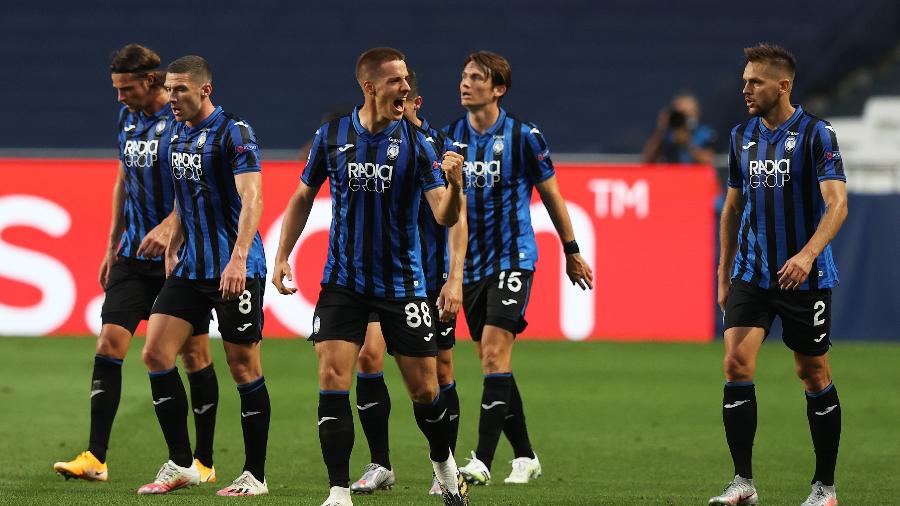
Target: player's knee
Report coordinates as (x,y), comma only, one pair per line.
(444,371)
(814,378)
(493,361)
(154,359)
(330,378)
(370,363)
(112,349)
(194,360)
(424,393)
(243,372)
(737,368)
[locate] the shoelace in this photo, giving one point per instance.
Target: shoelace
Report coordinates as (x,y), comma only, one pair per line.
(370,471)
(820,493)
(242,481)
(165,472)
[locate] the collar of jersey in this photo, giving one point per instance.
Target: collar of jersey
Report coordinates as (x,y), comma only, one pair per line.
(490,131)
(425,126)
(362,132)
(205,123)
(782,128)
(165,110)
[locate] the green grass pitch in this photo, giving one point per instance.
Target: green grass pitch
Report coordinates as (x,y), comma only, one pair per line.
(613,423)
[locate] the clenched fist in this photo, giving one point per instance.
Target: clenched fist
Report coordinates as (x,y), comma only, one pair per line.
(452,167)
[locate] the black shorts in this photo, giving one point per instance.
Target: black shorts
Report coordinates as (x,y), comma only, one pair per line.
(131,290)
(499,300)
(446,331)
(805,314)
(240,320)
(407,324)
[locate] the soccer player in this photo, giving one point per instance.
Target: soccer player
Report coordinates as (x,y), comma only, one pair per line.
(786,201)
(132,272)
(378,166)
(218,187)
(443,285)
(505,158)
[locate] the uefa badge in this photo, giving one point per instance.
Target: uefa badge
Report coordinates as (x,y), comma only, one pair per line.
(202,139)
(160,126)
(317,324)
(498,145)
(790,144)
(393,151)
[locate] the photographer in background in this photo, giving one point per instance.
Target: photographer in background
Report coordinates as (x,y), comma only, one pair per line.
(679,135)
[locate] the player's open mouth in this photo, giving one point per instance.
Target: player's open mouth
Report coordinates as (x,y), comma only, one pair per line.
(399,105)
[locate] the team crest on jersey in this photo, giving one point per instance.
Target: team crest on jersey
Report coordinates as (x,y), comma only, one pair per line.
(498,144)
(160,126)
(393,151)
(790,143)
(202,139)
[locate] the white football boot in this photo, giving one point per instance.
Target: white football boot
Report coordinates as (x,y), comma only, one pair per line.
(740,492)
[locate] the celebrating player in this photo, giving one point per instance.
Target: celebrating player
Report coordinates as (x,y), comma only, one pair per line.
(505,159)
(132,272)
(218,186)
(443,285)
(378,166)
(786,201)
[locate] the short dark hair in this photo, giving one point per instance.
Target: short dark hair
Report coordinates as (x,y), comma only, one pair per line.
(413,81)
(776,56)
(193,65)
(139,60)
(369,61)
(494,65)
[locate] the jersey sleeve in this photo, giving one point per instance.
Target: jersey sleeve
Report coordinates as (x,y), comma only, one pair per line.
(316,171)
(735,174)
(539,166)
(428,163)
(826,154)
(242,148)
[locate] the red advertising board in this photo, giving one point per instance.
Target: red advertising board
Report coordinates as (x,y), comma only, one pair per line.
(647,231)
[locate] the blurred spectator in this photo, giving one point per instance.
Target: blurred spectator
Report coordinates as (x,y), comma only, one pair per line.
(335,112)
(679,135)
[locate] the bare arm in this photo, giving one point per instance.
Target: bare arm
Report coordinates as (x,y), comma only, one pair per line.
(234,277)
(176,239)
(450,297)
(795,271)
(116,226)
(576,267)
(728,230)
(157,239)
(295,217)
(446,202)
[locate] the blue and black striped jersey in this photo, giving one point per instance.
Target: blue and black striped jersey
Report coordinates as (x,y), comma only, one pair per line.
(149,197)
(778,172)
(377,182)
(205,159)
(433,236)
(501,168)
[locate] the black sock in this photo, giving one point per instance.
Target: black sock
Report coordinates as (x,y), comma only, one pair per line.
(494,408)
(336,435)
(373,403)
(433,420)
(171,405)
(106,389)
(255,414)
(824,412)
(514,425)
(205,401)
(739,417)
(451,400)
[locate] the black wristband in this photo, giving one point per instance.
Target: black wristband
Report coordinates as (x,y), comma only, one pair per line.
(571,247)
